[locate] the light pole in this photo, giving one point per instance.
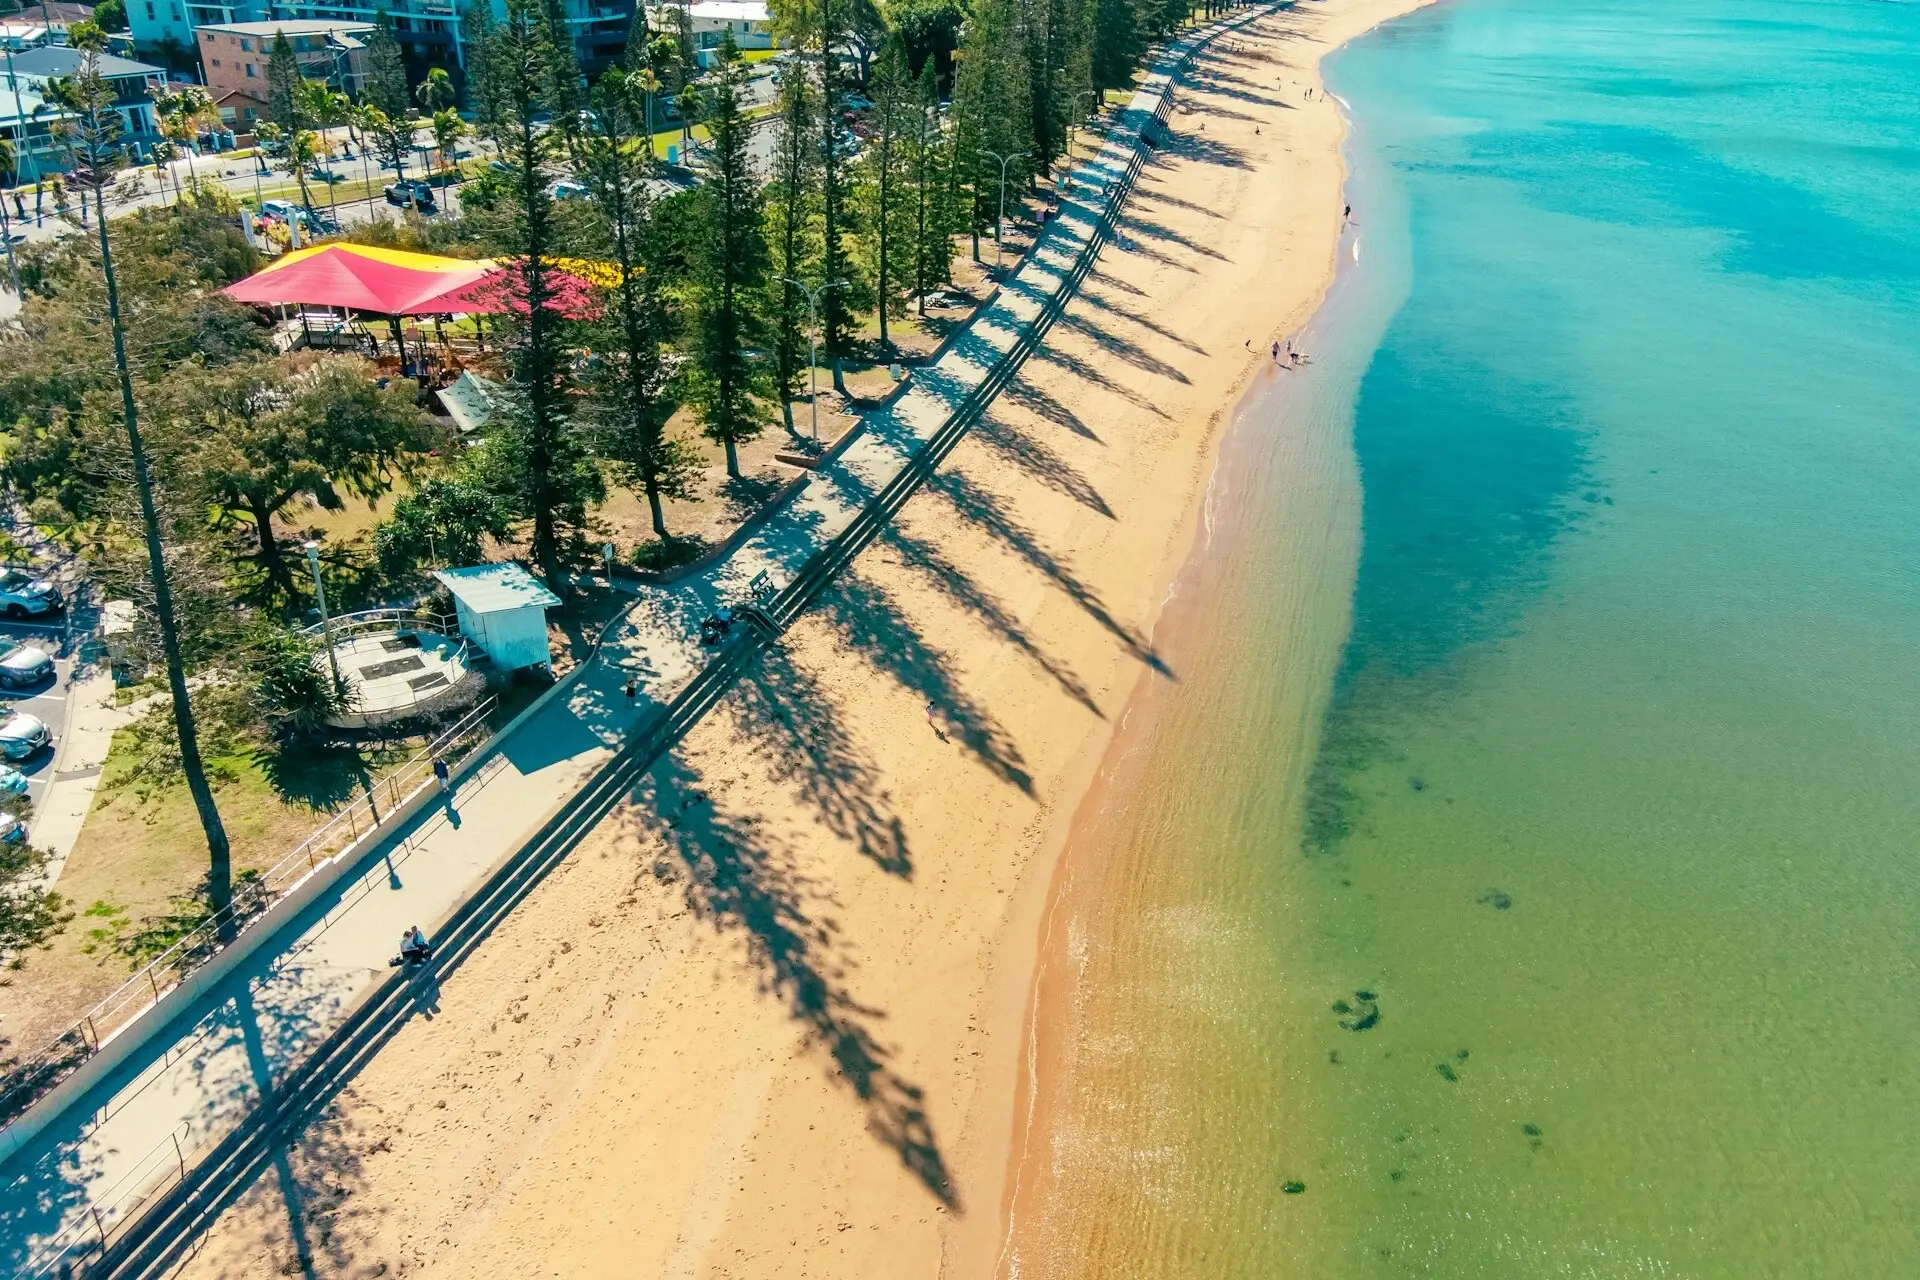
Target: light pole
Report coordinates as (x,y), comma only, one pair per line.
(813,293)
(326,623)
(1000,222)
(1079,98)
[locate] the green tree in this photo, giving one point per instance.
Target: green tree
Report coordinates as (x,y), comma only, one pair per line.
(632,403)
(111,15)
(387,90)
(445,520)
(283,86)
(292,683)
(482,87)
(992,108)
(537,459)
(731,271)
(264,434)
(436,92)
(930,29)
(888,182)
(448,129)
(95,126)
(792,209)
(932,213)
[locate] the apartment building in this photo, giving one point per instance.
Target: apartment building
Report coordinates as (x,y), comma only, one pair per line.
(233,55)
(428,31)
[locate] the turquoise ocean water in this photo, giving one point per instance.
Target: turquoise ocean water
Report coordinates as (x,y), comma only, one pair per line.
(1614,820)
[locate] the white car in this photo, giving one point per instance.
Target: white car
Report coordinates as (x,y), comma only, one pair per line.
(12,830)
(22,735)
(12,782)
(566,189)
(23,664)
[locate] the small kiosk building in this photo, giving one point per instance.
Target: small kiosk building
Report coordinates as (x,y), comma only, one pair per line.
(503,610)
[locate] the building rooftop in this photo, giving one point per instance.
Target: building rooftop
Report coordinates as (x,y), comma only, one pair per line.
(61,60)
(496,588)
(290,27)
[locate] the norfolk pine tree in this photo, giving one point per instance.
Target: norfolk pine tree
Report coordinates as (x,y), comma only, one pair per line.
(387,90)
(731,272)
(633,406)
(96,123)
(537,461)
(791,205)
(889,181)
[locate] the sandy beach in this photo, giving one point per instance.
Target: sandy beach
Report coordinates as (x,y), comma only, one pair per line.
(769,1020)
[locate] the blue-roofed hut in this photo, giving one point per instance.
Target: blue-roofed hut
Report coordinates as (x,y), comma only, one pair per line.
(503,610)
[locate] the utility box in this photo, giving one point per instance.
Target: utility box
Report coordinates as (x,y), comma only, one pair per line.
(117,633)
(503,611)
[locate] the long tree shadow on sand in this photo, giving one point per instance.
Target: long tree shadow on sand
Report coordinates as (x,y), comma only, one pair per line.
(795,727)
(1035,457)
(869,621)
(738,877)
(981,508)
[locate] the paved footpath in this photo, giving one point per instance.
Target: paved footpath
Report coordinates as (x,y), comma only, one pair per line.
(194,1081)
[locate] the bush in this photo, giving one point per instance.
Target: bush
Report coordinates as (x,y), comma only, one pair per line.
(296,688)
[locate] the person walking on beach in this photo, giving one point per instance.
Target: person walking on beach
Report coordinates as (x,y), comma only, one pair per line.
(631,689)
(1276,353)
(933,721)
(442,774)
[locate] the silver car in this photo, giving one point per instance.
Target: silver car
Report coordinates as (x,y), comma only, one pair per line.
(23,596)
(22,735)
(12,830)
(24,664)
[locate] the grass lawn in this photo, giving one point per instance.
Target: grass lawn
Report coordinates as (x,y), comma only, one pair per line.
(135,856)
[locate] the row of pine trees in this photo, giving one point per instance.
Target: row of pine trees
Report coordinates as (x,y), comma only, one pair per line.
(716,310)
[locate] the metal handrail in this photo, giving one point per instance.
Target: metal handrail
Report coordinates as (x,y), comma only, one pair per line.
(252,896)
(114,1207)
(364,620)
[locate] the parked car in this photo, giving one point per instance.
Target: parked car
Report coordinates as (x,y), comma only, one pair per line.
(410,191)
(24,596)
(22,735)
(12,782)
(499,166)
(12,830)
(24,664)
(567,189)
(311,219)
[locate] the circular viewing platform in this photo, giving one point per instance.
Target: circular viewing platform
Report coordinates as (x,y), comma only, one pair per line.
(398,666)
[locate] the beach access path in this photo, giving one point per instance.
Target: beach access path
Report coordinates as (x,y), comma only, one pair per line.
(77,1176)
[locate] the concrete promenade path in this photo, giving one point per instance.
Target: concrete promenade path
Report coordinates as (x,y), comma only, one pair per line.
(194,1080)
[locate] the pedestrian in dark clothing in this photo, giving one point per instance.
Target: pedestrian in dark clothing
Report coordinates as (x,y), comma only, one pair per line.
(632,689)
(442,774)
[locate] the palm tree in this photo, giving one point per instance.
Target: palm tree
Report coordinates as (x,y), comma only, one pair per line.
(327,110)
(370,120)
(163,158)
(448,128)
(436,92)
(181,115)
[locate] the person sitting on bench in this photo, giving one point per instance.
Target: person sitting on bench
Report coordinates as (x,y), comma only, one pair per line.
(414,947)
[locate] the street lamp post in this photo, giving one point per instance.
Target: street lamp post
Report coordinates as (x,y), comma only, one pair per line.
(326,623)
(999,224)
(1079,98)
(813,293)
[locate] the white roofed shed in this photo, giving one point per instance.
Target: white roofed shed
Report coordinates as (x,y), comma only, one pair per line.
(503,610)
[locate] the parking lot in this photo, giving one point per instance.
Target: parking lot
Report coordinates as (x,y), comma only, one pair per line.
(48,699)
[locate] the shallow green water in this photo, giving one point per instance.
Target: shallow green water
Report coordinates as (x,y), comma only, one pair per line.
(1636,644)
(1616,810)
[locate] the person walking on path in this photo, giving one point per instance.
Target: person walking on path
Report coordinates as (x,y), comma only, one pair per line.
(631,689)
(933,721)
(442,775)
